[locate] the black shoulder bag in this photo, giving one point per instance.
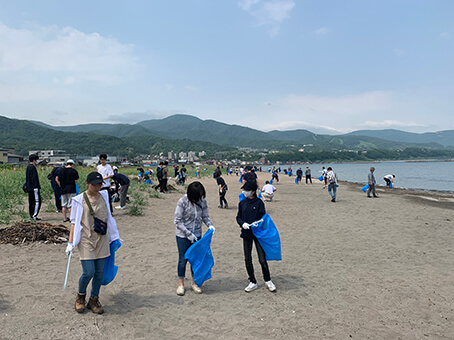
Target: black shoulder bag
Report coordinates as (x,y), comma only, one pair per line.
(100,225)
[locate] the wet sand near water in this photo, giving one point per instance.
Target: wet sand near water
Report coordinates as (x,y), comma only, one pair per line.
(356,269)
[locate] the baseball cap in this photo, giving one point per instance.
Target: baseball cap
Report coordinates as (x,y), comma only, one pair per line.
(69,161)
(94,178)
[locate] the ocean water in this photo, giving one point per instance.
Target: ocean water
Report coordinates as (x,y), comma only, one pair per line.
(410,175)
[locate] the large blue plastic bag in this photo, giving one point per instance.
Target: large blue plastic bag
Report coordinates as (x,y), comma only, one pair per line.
(364,188)
(320,178)
(200,257)
(110,269)
(268,236)
(296,180)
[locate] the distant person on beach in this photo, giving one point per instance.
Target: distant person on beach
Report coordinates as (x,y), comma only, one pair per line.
(250,210)
(159,176)
(332,183)
(165,177)
(324,175)
(308,175)
(217,172)
(275,176)
(93,247)
(389,179)
(107,173)
(55,187)
(33,188)
(191,211)
(121,181)
(268,191)
(183,173)
(67,180)
(299,175)
(222,192)
(372,182)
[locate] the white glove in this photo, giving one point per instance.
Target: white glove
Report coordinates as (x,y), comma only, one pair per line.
(212,228)
(69,248)
(192,238)
(246,225)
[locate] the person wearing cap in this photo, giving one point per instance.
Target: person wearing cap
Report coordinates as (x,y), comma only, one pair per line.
(190,213)
(66,180)
(33,188)
(372,182)
(93,247)
(250,210)
(299,175)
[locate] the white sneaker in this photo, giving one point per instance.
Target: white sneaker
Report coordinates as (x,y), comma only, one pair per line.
(251,286)
(118,207)
(270,285)
(180,290)
(196,289)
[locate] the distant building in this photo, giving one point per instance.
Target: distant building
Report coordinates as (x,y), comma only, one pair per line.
(47,153)
(171,155)
(3,156)
(218,155)
(182,155)
(202,153)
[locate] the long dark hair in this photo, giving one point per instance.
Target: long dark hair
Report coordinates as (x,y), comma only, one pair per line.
(195,192)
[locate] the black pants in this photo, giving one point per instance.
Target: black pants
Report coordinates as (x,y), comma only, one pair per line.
(247,247)
(57,195)
(34,202)
(222,199)
(308,177)
(387,181)
(163,185)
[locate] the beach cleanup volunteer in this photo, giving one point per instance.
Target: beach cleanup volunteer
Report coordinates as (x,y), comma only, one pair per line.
(93,247)
(250,210)
(190,213)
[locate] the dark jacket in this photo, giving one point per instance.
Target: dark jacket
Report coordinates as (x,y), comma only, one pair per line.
(31,178)
(249,211)
(120,179)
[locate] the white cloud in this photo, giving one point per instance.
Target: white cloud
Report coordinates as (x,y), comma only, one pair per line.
(349,104)
(269,13)
(192,88)
(399,51)
(88,56)
(390,123)
(295,125)
(9,94)
(322,30)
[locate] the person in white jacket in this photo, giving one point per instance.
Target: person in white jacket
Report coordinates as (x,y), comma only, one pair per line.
(93,247)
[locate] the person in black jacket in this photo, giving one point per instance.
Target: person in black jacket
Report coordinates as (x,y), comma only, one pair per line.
(33,187)
(250,210)
(122,181)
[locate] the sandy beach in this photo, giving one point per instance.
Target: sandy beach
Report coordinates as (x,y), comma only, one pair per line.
(356,269)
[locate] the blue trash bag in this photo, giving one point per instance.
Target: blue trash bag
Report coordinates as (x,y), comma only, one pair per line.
(196,174)
(364,188)
(241,197)
(110,269)
(240,180)
(260,195)
(77,189)
(391,185)
(271,181)
(200,257)
(296,180)
(148,181)
(320,178)
(268,236)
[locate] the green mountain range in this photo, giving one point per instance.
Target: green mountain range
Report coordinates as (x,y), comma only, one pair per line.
(189,133)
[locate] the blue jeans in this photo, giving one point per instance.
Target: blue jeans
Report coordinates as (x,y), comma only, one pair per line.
(92,269)
(332,187)
(183,245)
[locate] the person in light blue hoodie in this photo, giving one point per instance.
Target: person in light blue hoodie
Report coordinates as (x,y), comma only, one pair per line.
(191,212)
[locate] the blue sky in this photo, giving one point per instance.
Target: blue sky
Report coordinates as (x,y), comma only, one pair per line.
(326,66)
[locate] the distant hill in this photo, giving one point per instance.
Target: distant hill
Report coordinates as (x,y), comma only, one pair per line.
(24,136)
(193,128)
(445,138)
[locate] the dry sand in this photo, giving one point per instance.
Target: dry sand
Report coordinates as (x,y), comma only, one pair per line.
(356,269)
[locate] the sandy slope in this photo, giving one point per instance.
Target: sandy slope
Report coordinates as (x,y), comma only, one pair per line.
(356,269)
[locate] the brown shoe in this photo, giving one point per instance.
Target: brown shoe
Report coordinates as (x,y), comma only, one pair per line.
(95,305)
(80,303)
